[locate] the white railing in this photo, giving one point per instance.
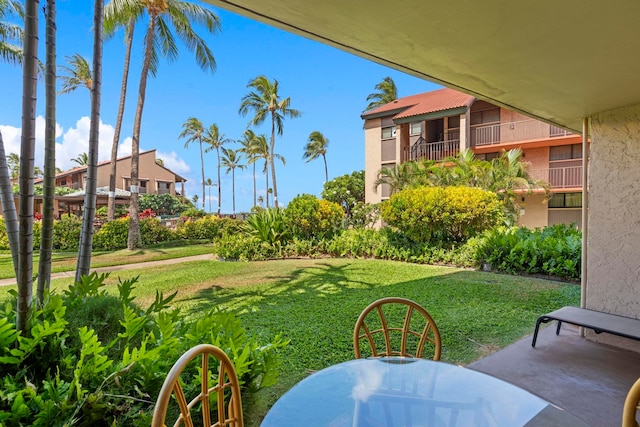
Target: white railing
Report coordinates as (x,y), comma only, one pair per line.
(566,177)
(513,132)
(435,151)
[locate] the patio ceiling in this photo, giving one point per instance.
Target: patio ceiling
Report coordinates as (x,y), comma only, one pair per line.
(556,61)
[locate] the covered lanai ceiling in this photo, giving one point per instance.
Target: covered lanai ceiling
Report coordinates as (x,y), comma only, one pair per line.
(558,61)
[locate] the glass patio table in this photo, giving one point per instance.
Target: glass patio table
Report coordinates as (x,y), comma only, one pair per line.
(404,392)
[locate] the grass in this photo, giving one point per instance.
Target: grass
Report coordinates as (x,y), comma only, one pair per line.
(66,261)
(315,303)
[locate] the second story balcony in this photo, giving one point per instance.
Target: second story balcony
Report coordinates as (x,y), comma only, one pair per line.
(436,151)
(526,130)
(560,177)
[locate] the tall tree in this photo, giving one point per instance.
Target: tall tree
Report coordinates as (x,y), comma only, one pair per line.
(215,140)
(193,130)
(264,101)
(231,160)
(49,185)
(78,74)
(209,184)
(27,151)
(159,40)
(81,159)
(11,34)
(262,153)
(249,149)
(8,203)
(316,147)
(110,26)
(386,92)
(13,163)
(90,196)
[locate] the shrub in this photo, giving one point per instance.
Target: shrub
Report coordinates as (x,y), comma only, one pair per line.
(309,217)
(66,233)
(206,228)
(267,225)
(162,204)
(240,247)
(442,216)
(96,374)
(112,235)
(153,231)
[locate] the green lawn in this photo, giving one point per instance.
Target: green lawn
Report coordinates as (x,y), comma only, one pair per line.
(66,261)
(315,303)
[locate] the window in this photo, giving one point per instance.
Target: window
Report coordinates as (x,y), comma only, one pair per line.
(453,122)
(565,152)
(415,128)
(487,156)
(566,200)
(164,187)
(142,185)
(485,116)
(388,132)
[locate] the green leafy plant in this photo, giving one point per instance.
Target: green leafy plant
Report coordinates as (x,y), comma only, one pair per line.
(309,217)
(267,225)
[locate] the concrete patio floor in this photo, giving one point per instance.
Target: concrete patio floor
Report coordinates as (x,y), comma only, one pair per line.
(589,380)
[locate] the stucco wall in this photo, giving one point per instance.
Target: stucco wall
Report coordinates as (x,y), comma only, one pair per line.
(535,211)
(613,261)
(372,159)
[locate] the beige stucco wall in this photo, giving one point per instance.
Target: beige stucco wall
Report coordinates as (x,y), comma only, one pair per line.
(613,244)
(372,159)
(149,170)
(535,211)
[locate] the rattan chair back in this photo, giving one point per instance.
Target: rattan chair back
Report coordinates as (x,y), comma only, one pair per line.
(212,389)
(395,322)
(631,406)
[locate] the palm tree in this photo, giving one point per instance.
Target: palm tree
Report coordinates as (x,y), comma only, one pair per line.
(82,159)
(89,210)
(110,26)
(398,177)
(78,74)
(264,101)
(261,150)
(13,162)
(194,131)
(11,35)
(249,149)
(8,203)
(231,160)
(162,16)
(27,148)
(215,140)
(209,184)
(49,188)
(316,147)
(387,92)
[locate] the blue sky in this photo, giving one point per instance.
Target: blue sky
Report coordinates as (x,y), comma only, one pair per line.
(327,85)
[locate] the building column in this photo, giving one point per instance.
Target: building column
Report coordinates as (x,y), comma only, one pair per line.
(465,122)
(613,242)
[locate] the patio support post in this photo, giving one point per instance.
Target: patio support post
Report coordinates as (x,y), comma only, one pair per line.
(585,210)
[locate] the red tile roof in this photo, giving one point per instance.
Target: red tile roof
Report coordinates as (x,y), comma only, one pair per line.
(424,103)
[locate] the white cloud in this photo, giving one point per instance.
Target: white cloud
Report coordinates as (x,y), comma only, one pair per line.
(75,141)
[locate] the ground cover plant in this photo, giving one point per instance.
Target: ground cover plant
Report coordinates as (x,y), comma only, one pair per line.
(314,303)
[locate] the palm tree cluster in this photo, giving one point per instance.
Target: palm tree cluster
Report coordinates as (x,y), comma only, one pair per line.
(506,175)
(11,34)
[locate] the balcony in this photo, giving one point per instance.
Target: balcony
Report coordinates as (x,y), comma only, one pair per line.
(561,177)
(526,130)
(436,151)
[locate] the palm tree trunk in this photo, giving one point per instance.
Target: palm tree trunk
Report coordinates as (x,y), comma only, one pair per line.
(326,171)
(233,190)
(255,201)
(273,164)
(266,174)
(89,212)
(27,148)
(46,237)
(134,240)
(219,189)
(9,208)
(111,208)
(203,183)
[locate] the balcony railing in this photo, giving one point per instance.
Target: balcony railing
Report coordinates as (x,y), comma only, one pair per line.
(436,151)
(566,177)
(499,133)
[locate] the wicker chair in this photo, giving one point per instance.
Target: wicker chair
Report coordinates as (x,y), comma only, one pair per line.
(226,382)
(417,329)
(631,406)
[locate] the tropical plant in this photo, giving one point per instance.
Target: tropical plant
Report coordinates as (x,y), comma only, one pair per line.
(11,34)
(10,216)
(398,177)
(159,41)
(387,92)
(264,101)
(250,148)
(317,147)
(13,163)
(309,217)
(90,197)
(82,159)
(47,226)
(194,131)
(110,27)
(78,74)
(215,140)
(231,160)
(268,226)
(210,184)
(261,150)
